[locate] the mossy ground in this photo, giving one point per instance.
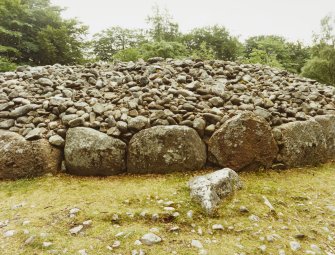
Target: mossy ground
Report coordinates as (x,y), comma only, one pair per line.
(300,197)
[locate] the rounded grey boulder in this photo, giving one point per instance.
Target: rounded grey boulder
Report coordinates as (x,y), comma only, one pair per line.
(20,158)
(244,142)
(165,149)
(89,152)
(301,143)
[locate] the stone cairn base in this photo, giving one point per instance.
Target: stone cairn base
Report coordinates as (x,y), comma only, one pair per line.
(161,116)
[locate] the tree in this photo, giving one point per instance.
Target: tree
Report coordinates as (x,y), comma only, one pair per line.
(257,56)
(60,45)
(153,49)
(217,39)
(322,64)
(276,52)
(204,52)
(10,28)
(114,39)
(163,49)
(32,31)
(298,56)
(131,54)
(162,26)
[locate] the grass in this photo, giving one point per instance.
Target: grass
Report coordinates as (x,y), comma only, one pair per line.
(299,196)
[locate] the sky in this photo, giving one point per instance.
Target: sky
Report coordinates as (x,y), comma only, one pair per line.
(293,19)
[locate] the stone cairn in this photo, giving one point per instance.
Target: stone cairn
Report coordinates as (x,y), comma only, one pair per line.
(161,116)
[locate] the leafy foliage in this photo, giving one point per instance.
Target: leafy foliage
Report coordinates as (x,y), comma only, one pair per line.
(155,49)
(115,39)
(163,49)
(203,52)
(322,64)
(162,26)
(276,51)
(257,56)
(131,54)
(6,65)
(32,31)
(216,39)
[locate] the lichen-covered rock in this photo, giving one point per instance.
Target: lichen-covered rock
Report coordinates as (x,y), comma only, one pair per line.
(210,189)
(89,152)
(244,142)
(301,143)
(327,123)
(20,158)
(165,149)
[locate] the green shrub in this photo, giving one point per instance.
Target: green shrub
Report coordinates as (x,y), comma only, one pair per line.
(6,65)
(163,49)
(131,54)
(154,49)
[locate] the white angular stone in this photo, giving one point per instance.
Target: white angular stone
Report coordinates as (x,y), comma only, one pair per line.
(209,189)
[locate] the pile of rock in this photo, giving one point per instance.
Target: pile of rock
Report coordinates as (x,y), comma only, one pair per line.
(158,116)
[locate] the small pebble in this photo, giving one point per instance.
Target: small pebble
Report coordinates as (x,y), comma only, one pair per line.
(295,246)
(217,227)
(197,244)
(29,240)
(244,209)
(82,252)
(150,239)
(9,233)
(46,244)
(76,230)
(253,218)
(173,229)
(119,234)
(169,209)
(189,214)
(87,223)
(116,244)
(262,248)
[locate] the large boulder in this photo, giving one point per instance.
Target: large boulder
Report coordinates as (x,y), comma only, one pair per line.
(301,143)
(20,158)
(208,190)
(89,152)
(327,123)
(244,142)
(165,149)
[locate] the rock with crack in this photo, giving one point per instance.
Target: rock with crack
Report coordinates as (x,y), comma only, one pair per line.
(210,189)
(244,142)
